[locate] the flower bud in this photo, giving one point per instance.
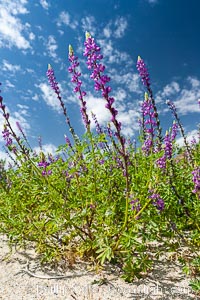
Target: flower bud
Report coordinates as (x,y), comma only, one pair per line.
(87,35)
(71,51)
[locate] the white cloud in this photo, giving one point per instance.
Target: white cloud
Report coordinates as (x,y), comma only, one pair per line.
(107,31)
(49,97)
(35,97)
(189,137)
(89,24)
(129,120)
(23,110)
(4,156)
(46,149)
(107,48)
(120,94)
(126,114)
(6,66)
(96,105)
(31,71)
(112,55)
(152,1)
(65,18)
(61,32)
(52,46)
(115,29)
(44,4)
(121,25)
(129,80)
(185,98)
(195,83)
(11,28)
(9,85)
(171,89)
(31,36)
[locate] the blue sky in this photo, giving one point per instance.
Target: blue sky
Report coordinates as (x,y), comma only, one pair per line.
(34,33)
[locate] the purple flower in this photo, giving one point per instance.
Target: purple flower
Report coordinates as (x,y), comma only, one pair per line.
(92,206)
(135,205)
(158,201)
(196,181)
(143,72)
(148,124)
(171,105)
(76,80)
(44,164)
(168,146)
(55,87)
(101,161)
(98,127)
(52,80)
(67,140)
(6,136)
(174,131)
(161,162)
(92,52)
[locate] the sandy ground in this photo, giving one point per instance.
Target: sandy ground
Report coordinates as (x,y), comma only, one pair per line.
(166,281)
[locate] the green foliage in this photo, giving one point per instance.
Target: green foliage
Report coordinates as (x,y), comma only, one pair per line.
(95,201)
(79,208)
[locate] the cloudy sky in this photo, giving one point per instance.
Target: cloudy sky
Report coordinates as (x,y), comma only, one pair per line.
(34,33)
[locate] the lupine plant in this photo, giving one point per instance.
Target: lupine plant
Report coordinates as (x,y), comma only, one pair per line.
(100,197)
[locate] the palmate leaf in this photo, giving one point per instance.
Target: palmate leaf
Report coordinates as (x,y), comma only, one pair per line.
(105,252)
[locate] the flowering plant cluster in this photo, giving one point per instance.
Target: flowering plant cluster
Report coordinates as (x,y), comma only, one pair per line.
(101,197)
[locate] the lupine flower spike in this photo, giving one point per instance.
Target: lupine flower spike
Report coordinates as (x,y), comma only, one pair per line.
(92,52)
(174,112)
(144,75)
(76,80)
(94,56)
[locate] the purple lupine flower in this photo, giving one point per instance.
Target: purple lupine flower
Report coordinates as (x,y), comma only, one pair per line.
(135,205)
(158,201)
(161,162)
(67,140)
(174,131)
(193,141)
(55,87)
(159,204)
(6,136)
(171,106)
(143,72)
(168,146)
(76,80)
(98,127)
(173,109)
(149,124)
(101,161)
(168,140)
(52,80)
(196,180)
(92,52)
(44,164)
